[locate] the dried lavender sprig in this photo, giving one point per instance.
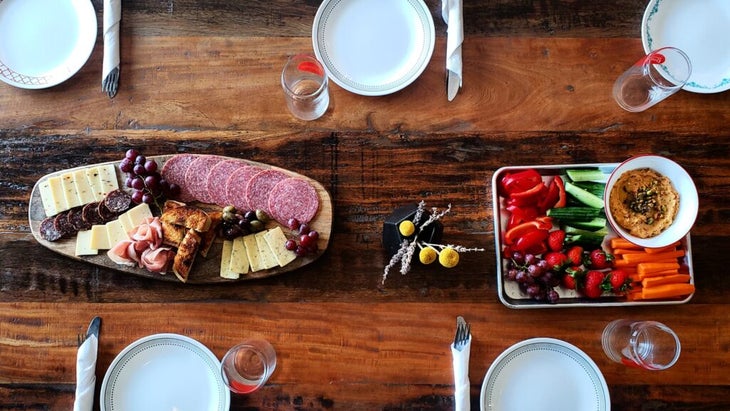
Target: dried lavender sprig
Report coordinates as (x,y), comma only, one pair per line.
(393,260)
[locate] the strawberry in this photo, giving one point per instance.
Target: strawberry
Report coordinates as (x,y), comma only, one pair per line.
(572,279)
(575,255)
(592,288)
(556,260)
(617,281)
(599,259)
(555,240)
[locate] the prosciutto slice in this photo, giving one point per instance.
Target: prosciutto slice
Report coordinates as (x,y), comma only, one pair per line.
(144,248)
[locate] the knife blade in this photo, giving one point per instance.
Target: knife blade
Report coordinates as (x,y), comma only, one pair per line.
(94,327)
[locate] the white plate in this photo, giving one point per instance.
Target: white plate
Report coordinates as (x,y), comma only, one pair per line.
(373,47)
(165,372)
(699,28)
(544,374)
(44,42)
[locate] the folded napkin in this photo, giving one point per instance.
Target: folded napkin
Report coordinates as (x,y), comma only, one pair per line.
(461,377)
(86,374)
(451,11)
(112,17)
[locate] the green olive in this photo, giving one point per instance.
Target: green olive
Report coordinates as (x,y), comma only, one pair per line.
(228,216)
(256,226)
(262,216)
(229,209)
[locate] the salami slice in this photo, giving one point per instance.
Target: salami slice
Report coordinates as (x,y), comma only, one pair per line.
(217,178)
(90,214)
(48,230)
(174,172)
(104,214)
(196,176)
(236,186)
(259,187)
(117,201)
(63,225)
(76,219)
(293,198)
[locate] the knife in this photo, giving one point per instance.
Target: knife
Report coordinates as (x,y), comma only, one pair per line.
(86,368)
(451,12)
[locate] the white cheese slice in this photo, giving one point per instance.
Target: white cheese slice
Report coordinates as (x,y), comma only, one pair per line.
(239,258)
(99,237)
(252,252)
(107,179)
(225,271)
(116,233)
(92,178)
(266,257)
(49,203)
(138,213)
(59,199)
(84,191)
(69,190)
(276,240)
(83,243)
(126,222)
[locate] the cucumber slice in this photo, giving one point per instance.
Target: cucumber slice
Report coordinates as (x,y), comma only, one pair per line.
(587,174)
(578,213)
(592,225)
(592,187)
(583,196)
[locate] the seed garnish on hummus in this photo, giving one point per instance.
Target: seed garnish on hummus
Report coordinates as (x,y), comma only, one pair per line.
(644,202)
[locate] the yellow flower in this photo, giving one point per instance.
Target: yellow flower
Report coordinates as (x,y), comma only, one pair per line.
(406,228)
(427,255)
(448,257)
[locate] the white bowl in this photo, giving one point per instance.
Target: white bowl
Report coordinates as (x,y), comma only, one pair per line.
(682,182)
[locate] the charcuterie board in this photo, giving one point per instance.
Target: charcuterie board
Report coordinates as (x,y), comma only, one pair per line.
(205,269)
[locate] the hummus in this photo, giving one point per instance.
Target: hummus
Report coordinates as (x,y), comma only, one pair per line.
(643,202)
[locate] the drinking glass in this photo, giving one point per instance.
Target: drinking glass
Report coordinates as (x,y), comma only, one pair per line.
(652,79)
(649,345)
(248,365)
(305,87)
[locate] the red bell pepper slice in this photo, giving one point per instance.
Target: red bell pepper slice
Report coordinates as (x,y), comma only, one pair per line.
(519,215)
(529,197)
(520,181)
(515,233)
(562,197)
(555,196)
(532,242)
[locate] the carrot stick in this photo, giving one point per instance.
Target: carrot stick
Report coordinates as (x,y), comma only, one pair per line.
(659,273)
(622,251)
(665,279)
(669,247)
(666,291)
(644,257)
(622,263)
(618,242)
(650,267)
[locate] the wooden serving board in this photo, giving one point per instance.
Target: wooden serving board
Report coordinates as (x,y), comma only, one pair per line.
(205,270)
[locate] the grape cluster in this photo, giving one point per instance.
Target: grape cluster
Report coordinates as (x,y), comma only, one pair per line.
(534,276)
(144,179)
(237,224)
(307,238)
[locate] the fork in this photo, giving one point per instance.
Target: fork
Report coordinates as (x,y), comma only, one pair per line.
(111,82)
(462,333)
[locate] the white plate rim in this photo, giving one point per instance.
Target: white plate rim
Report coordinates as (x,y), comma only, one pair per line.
(569,350)
(651,43)
(195,346)
(64,70)
(420,12)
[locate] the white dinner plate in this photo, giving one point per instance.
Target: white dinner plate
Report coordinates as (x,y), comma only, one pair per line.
(44,42)
(544,374)
(373,47)
(700,28)
(165,372)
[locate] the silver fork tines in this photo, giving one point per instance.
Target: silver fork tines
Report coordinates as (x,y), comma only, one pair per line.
(462,333)
(111,82)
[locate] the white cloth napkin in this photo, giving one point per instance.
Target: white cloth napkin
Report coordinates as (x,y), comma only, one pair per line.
(86,374)
(451,11)
(462,399)
(112,17)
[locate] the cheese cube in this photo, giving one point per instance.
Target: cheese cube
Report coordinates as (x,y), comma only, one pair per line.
(266,257)
(83,243)
(116,233)
(225,271)
(84,191)
(49,203)
(252,252)
(99,237)
(276,240)
(239,258)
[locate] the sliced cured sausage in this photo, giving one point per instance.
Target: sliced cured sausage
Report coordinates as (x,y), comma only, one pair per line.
(174,172)
(236,187)
(260,186)
(217,178)
(293,198)
(117,201)
(196,176)
(48,230)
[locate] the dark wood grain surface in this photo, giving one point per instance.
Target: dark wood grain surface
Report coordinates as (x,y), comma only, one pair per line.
(203,77)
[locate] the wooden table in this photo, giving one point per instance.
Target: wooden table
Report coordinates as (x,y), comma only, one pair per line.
(203,77)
